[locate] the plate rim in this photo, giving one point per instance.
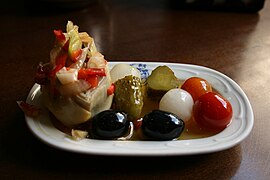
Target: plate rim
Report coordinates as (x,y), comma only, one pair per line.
(34,129)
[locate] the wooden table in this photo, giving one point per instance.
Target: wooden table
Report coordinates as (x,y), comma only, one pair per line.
(236,44)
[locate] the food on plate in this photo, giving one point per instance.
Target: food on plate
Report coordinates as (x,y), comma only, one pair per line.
(109,124)
(179,102)
(128,96)
(29,109)
(162,125)
(135,116)
(78,134)
(75,81)
(160,81)
(212,111)
(119,71)
(196,86)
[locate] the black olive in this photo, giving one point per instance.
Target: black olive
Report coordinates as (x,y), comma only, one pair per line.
(109,124)
(161,125)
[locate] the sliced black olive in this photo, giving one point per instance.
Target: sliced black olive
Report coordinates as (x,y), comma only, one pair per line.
(109,124)
(162,125)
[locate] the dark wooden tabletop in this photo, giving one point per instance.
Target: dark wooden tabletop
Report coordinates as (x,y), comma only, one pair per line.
(234,43)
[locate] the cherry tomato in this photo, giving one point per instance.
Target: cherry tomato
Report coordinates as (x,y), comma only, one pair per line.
(212,111)
(196,86)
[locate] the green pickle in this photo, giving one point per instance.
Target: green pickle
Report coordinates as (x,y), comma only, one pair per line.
(128,96)
(161,80)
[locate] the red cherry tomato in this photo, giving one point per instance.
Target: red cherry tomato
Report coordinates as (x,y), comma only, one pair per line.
(212,111)
(196,86)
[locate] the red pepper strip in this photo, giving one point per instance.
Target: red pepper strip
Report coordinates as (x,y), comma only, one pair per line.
(65,46)
(59,35)
(60,62)
(91,75)
(75,55)
(110,90)
(137,123)
(41,76)
(85,72)
(93,81)
(29,109)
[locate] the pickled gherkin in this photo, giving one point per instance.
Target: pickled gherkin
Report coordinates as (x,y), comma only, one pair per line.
(161,80)
(128,96)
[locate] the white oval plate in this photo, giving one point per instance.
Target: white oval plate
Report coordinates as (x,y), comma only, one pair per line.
(237,131)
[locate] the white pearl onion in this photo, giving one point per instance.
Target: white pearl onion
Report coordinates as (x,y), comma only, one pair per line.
(178,102)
